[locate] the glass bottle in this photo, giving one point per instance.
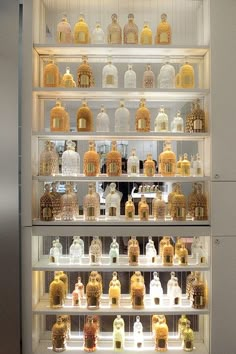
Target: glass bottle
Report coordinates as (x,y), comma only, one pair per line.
(94,273)
(151,252)
(46,205)
(98,35)
(70,160)
(170,197)
(80,286)
(69,205)
(155,320)
(189,281)
(64,278)
(51,74)
(64,34)
(95,251)
(59,246)
(90,335)
(189,120)
(75,297)
(67,323)
(161,122)
(68,79)
(93,293)
(199,204)
(133,164)
(114,31)
(149,166)
(136,274)
(112,203)
(170,284)
(167,161)
(188,338)
(146,34)
(161,335)
(185,166)
(118,333)
(191,199)
(156,291)
(178,245)
(133,251)
(130,31)
(178,165)
(81,242)
(81,31)
(163,35)
(114,251)
(114,291)
(183,255)
(158,207)
(58,336)
(113,161)
(85,77)
(162,243)
(129,209)
(109,75)
(91,205)
(197,251)
(59,118)
(199,118)
(148,78)
(182,325)
(91,164)
(84,118)
(130,78)
(49,160)
(178,211)
(187,75)
(198,293)
(138,291)
(138,333)
(176,294)
(54,254)
(56,293)
(166,77)
(75,253)
(102,121)
(122,118)
(142,117)
(198,167)
(177,125)
(168,254)
(143,209)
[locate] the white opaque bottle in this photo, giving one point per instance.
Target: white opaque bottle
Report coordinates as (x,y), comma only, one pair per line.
(133,164)
(151,252)
(166,77)
(175,294)
(177,125)
(197,166)
(161,122)
(156,290)
(110,75)
(148,78)
(70,160)
(112,203)
(75,252)
(122,118)
(102,121)
(114,251)
(138,333)
(98,35)
(118,333)
(130,78)
(197,251)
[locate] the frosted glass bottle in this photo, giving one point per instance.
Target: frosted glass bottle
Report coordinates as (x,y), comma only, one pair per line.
(122,118)
(75,253)
(54,253)
(112,203)
(161,123)
(91,205)
(102,121)
(166,77)
(118,334)
(151,252)
(68,79)
(148,78)
(176,294)
(197,166)
(98,35)
(130,77)
(158,207)
(109,75)
(146,35)
(64,34)
(114,31)
(81,31)
(70,160)
(81,242)
(133,164)
(114,251)
(177,125)
(156,290)
(49,160)
(163,35)
(138,333)
(130,32)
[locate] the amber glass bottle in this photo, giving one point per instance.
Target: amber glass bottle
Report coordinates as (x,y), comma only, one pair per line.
(84,74)
(84,118)
(91,161)
(142,117)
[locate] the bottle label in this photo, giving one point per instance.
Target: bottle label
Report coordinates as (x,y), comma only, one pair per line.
(114,260)
(168,167)
(197,124)
(198,171)
(168,259)
(133,169)
(52,259)
(199,212)
(187,81)
(57,300)
(180,212)
(81,36)
(146,39)
(82,123)
(84,80)
(199,300)
(179,127)
(188,344)
(47,213)
(163,126)
(112,211)
(153,259)
(138,300)
(62,37)
(91,211)
(93,301)
(150,171)
(161,343)
(57,123)
(50,79)
(176,300)
(142,123)
(93,259)
(164,37)
(130,39)
(110,80)
(183,260)
(68,83)
(118,344)
(89,342)
(115,37)
(130,214)
(114,301)
(156,300)
(91,167)
(113,168)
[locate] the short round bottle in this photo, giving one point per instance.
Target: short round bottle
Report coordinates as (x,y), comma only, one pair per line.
(130,78)
(91,164)
(142,118)
(148,78)
(102,121)
(167,161)
(64,34)
(98,36)
(85,77)
(146,35)
(113,161)
(122,118)
(68,79)
(130,31)
(149,166)
(177,125)
(59,118)
(56,293)
(51,74)
(163,35)
(114,31)
(161,123)
(84,118)
(70,160)
(81,31)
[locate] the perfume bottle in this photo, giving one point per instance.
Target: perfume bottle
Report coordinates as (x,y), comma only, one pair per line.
(51,74)
(56,293)
(67,324)
(158,207)
(161,334)
(91,164)
(183,255)
(149,166)
(188,338)
(64,34)
(189,281)
(182,325)
(161,122)
(68,79)
(75,297)
(93,293)
(166,77)
(133,251)
(179,209)
(175,294)
(113,161)
(80,287)
(64,278)
(130,77)
(98,35)
(170,196)
(185,166)
(102,121)
(168,254)
(136,274)
(163,35)
(138,291)
(49,160)
(59,118)
(114,291)
(69,204)
(178,165)
(178,245)
(177,125)
(109,75)
(54,254)
(58,336)
(84,118)
(133,164)
(197,251)
(148,78)
(70,160)
(191,199)
(142,117)
(146,34)
(118,333)
(81,31)
(151,252)
(46,205)
(155,320)
(81,242)
(75,253)
(199,118)
(130,31)
(112,203)
(167,161)
(90,335)
(156,290)
(122,118)
(199,204)
(114,251)
(58,245)
(129,209)
(95,251)
(94,273)
(138,333)
(143,209)
(198,166)
(114,31)
(162,243)
(198,292)
(85,77)
(91,205)
(170,284)
(186,73)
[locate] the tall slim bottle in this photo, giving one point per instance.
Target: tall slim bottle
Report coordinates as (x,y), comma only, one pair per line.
(114,31)
(122,118)
(130,31)
(118,334)
(138,333)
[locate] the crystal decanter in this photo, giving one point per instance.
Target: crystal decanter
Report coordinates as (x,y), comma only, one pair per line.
(58,336)
(84,118)
(188,338)
(112,203)
(70,160)
(90,335)
(177,125)
(199,119)
(114,31)
(133,164)
(85,77)
(68,79)
(75,253)
(118,333)
(168,254)
(161,334)
(98,35)
(129,209)
(158,207)
(148,78)
(113,161)
(183,255)
(130,77)
(142,117)
(46,205)
(64,34)
(122,118)
(95,251)
(185,166)
(198,292)
(179,210)
(156,290)
(197,166)
(138,291)
(143,209)
(114,292)
(167,161)
(56,293)
(146,34)
(130,32)
(149,166)
(133,251)
(151,252)
(109,75)
(189,281)
(59,118)
(162,243)
(49,160)
(138,333)
(163,34)
(182,325)
(170,284)
(91,205)
(186,73)
(175,294)
(91,161)
(166,77)
(81,31)
(114,251)
(54,254)
(102,121)
(51,74)
(93,293)
(161,123)
(199,204)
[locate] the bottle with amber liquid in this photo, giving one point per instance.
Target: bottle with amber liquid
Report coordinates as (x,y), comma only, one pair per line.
(81,31)
(118,333)
(84,118)
(51,74)
(199,118)
(138,291)
(148,78)
(112,203)
(129,209)
(179,209)
(185,166)
(134,277)
(199,204)
(59,118)
(163,35)
(168,254)
(143,209)
(161,334)
(70,160)
(167,161)
(161,123)
(151,252)
(189,281)
(146,34)
(85,77)
(182,322)
(183,255)
(46,205)
(186,74)
(114,291)
(158,207)
(142,117)
(59,336)
(162,243)
(149,166)
(91,205)
(68,79)
(178,245)
(109,75)
(56,293)
(90,335)
(133,251)
(93,293)
(49,160)
(170,197)
(198,292)
(64,34)
(130,31)
(113,161)
(91,161)
(114,31)
(95,251)
(188,338)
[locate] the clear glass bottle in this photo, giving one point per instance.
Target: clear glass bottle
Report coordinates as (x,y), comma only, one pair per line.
(151,252)
(143,209)
(199,118)
(158,207)
(118,333)
(102,121)
(122,118)
(138,333)
(182,325)
(112,203)
(58,336)
(64,34)
(51,74)
(177,125)
(90,335)
(70,160)
(59,246)
(162,243)
(170,284)
(168,254)
(91,205)
(186,73)
(114,292)
(75,253)
(130,77)
(113,161)
(156,290)
(93,293)
(189,120)
(161,334)
(129,209)
(185,166)
(84,118)
(133,251)
(199,204)
(198,166)
(176,294)
(133,164)
(68,79)
(46,205)
(146,34)
(198,292)
(188,338)
(167,161)
(98,35)
(166,77)
(114,31)
(149,166)
(80,286)
(81,31)
(54,254)
(59,118)
(49,160)
(95,251)
(91,161)
(179,207)
(161,123)
(183,255)
(85,78)
(197,251)
(114,251)
(138,291)
(75,296)
(56,293)
(189,281)
(130,31)
(149,78)
(142,117)
(163,34)
(109,75)
(81,242)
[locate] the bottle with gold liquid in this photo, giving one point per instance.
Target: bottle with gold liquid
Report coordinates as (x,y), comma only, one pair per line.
(91,205)
(84,118)
(81,31)
(175,295)
(142,117)
(129,209)
(146,34)
(113,161)
(188,338)
(177,125)
(59,118)
(161,334)
(109,75)
(94,273)
(95,251)
(182,322)
(46,205)
(91,161)
(67,324)
(90,335)
(149,166)
(112,203)
(133,251)
(68,79)
(102,121)
(51,74)
(158,207)
(198,292)
(138,291)
(161,123)
(168,254)
(167,161)
(133,164)
(151,252)
(64,34)
(143,209)
(183,255)
(199,204)
(136,274)
(178,245)
(85,77)
(156,290)
(118,333)
(185,166)
(138,333)
(114,291)
(163,35)
(98,35)
(114,31)
(122,118)
(114,251)
(148,78)
(59,336)
(162,243)
(56,293)
(178,165)
(130,77)
(93,293)
(186,73)
(155,320)
(70,160)
(179,209)
(199,119)
(130,31)
(49,160)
